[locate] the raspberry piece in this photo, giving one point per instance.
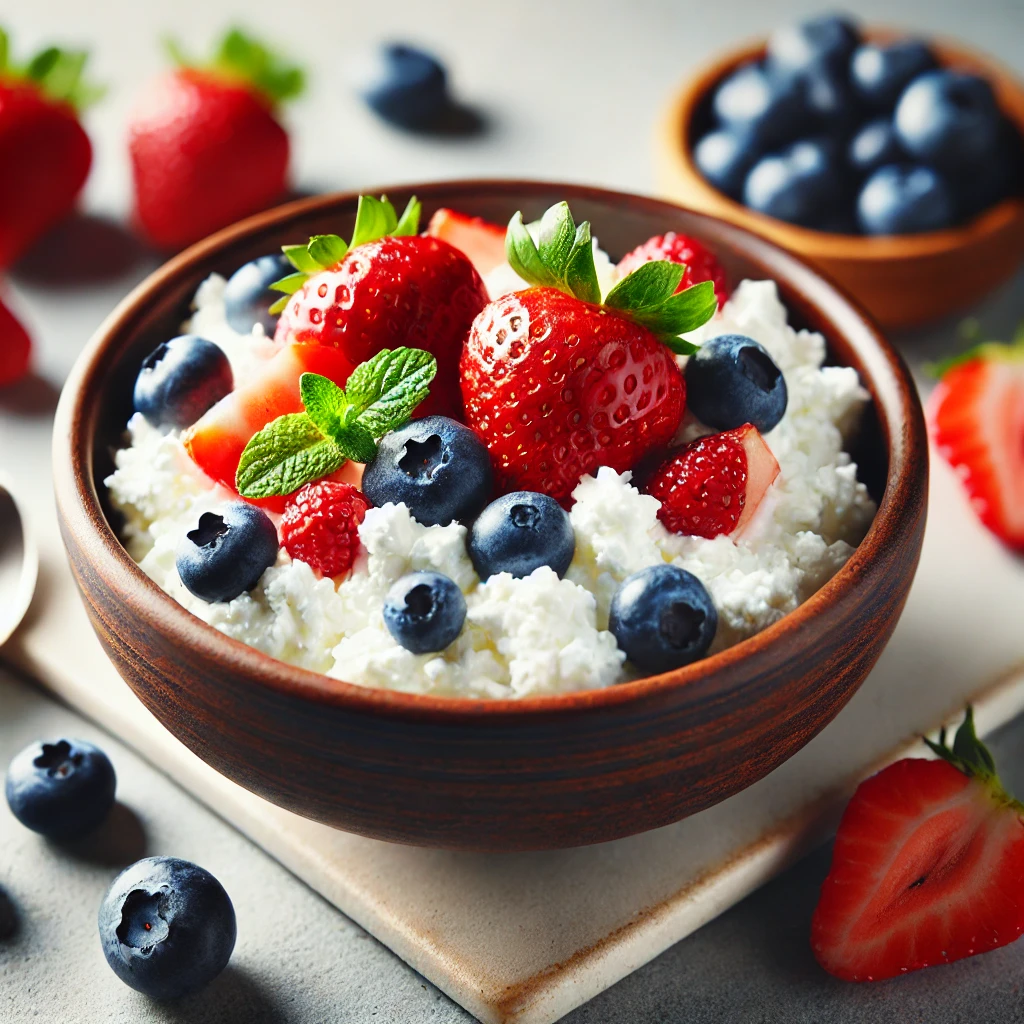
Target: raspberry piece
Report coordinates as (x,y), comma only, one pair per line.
(702,490)
(701,264)
(320,526)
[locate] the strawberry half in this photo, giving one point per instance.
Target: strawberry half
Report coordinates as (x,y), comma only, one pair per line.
(389,288)
(205,144)
(479,239)
(928,867)
(976,418)
(558,383)
(715,484)
(216,441)
(701,264)
(45,154)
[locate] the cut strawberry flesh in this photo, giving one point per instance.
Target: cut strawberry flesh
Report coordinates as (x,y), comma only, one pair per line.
(977,422)
(480,240)
(217,439)
(762,471)
(926,869)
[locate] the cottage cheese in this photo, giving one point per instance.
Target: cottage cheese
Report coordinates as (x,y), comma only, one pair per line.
(542,634)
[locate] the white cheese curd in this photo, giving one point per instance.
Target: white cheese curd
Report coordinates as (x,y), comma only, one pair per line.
(541,634)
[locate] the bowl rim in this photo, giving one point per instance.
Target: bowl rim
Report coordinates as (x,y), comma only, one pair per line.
(82,516)
(677,144)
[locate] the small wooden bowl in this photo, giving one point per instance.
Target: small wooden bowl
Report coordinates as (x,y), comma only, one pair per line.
(901,280)
(540,773)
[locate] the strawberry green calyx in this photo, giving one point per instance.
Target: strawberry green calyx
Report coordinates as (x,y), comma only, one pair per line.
(973,758)
(338,423)
(375,219)
(244,58)
(986,351)
(563,258)
(58,74)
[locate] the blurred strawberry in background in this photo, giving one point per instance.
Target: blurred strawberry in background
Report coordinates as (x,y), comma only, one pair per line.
(45,154)
(15,348)
(205,144)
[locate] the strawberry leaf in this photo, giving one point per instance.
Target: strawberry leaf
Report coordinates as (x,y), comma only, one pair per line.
(57,73)
(409,222)
(287,453)
(242,56)
(290,284)
(300,258)
(372,220)
(327,250)
(648,286)
(556,238)
(523,256)
(986,350)
(580,272)
(279,306)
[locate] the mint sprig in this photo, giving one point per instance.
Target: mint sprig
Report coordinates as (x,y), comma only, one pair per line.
(59,74)
(338,423)
(563,258)
(375,219)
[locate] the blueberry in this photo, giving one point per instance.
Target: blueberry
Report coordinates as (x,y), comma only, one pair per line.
(248,298)
(880,73)
(663,618)
(822,43)
(800,185)
(732,380)
(424,612)
(180,380)
(949,119)
(977,188)
(724,157)
(62,789)
(874,146)
(437,466)
(831,102)
(167,927)
(904,200)
(520,532)
(227,552)
(404,85)
(751,101)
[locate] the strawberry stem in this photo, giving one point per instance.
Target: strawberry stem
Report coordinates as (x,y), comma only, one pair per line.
(986,350)
(58,74)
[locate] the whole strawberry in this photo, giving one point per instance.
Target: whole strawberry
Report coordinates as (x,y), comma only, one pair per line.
(205,144)
(320,526)
(557,383)
(976,418)
(714,485)
(15,348)
(927,868)
(45,154)
(389,287)
(700,262)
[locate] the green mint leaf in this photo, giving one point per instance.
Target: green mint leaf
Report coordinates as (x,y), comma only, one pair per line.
(290,284)
(649,285)
(372,220)
(357,442)
(387,388)
(580,273)
(556,238)
(300,258)
(409,222)
(523,256)
(327,250)
(280,306)
(325,403)
(287,453)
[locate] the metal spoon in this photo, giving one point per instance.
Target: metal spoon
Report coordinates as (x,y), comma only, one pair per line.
(19,562)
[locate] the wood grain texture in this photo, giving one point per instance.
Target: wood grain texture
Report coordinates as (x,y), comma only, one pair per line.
(903,281)
(541,773)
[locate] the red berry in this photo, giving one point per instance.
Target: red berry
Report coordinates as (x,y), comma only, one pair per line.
(410,290)
(714,485)
(15,348)
(557,387)
(481,241)
(927,868)
(45,157)
(320,526)
(976,416)
(701,264)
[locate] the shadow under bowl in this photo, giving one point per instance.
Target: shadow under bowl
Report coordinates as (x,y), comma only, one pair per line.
(539,773)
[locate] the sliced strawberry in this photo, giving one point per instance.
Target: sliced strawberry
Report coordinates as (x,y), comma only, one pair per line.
(479,239)
(715,484)
(976,416)
(927,868)
(217,439)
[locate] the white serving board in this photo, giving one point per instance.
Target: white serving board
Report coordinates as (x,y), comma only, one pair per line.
(527,937)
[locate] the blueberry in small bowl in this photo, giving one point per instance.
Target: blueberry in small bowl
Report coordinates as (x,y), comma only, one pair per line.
(903,199)
(167,927)
(62,789)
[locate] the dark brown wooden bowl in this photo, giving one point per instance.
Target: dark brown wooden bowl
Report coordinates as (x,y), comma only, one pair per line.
(541,773)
